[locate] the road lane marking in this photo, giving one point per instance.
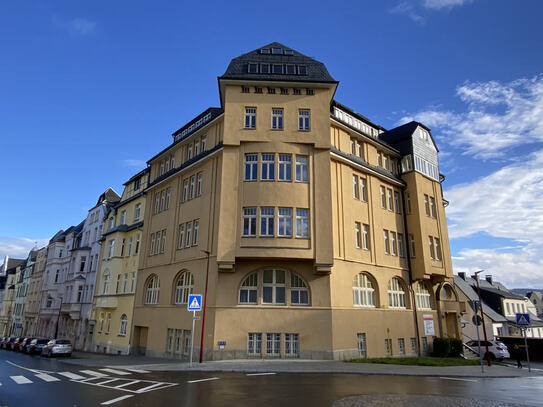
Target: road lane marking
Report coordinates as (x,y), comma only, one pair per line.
(26,368)
(105,403)
(47,378)
(203,380)
(136,370)
(119,372)
(143,390)
(456,378)
(127,384)
(107,381)
(260,374)
(71,375)
(20,379)
(93,373)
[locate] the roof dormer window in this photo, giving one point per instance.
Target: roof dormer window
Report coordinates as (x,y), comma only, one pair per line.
(252,68)
(291,69)
(277,68)
(289,52)
(302,70)
(265,68)
(264,50)
(276,50)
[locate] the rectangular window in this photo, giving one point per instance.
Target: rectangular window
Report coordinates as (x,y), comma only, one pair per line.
(267,221)
(351,144)
(188,235)
(125,282)
(199,184)
(401,251)
(301,168)
(438,248)
(168,195)
(284,227)
(162,199)
(291,345)
(290,69)
(397,202)
(357,235)
(132,281)
(203,143)
(137,213)
(251,167)
(137,248)
(158,240)
(366,237)
(277,69)
(186,341)
(249,222)
(363,190)
(122,247)
(424,344)
(185,190)
(181,235)
(401,346)
(177,341)
(157,203)
(433,207)
(361,340)
(383,197)
(390,200)
(356,191)
(302,223)
(189,151)
(427,204)
(169,340)
(408,203)
(431,244)
(163,245)
(196,147)
(277,119)
(388,347)
(250,117)
(192,185)
(82,263)
(254,344)
(304,121)
(267,167)
(285,167)
(123,218)
(273,344)
(387,243)
(393,243)
(129,252)
(196,232)
(265,68)
(413,346)
(118,284)
(411,246)
(111,248)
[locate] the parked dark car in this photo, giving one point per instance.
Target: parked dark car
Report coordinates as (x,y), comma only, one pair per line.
(15,344)
(24,344)
(57,347)
(7,343)
(2,340)
(36,345)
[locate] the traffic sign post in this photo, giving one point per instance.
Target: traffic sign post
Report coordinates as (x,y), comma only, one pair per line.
(523,320)
(193,304)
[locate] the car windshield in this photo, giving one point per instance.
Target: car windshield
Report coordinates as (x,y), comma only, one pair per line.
(62,342)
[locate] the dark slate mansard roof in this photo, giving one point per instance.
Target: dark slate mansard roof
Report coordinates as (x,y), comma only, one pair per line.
(316,71)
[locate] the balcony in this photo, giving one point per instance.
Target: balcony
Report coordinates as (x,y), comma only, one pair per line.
(106,302)
(72,308)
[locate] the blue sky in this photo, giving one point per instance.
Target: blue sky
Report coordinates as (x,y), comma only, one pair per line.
(90,90)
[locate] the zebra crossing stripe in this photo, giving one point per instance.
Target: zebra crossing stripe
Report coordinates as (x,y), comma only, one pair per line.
(93,373)
(47,378)
(105,403)
(127,384)
(136,370)
(20,379)
(71,375)
(115,372)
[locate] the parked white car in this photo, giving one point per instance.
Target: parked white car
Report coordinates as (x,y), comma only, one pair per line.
(496,349)
(57,347)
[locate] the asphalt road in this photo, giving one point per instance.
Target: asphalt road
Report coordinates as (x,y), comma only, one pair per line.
(36,381)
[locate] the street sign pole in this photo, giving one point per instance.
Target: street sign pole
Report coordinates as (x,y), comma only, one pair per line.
(478,336)
(526,346)
(192,337)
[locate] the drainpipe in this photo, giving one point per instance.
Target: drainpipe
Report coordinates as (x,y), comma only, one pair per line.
(409,269)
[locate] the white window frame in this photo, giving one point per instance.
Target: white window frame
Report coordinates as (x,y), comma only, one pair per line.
(423,296)
(248,227)
(275,285)
(254,344)
(284,222)
(250,288)
(302,223)
(304,119)
(299,289)
(251,167)
(292,346)
(284,170)
(267,167)
(267,221)
(188,234)
(357,235)
(250,118)
(277,118)
(184,286)
(396,294)
(366,242)
(363,291)
(273,344)
(152,290)
(195,232)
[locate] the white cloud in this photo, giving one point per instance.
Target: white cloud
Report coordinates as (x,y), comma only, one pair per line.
(498,117)
(77,26)
(440,4)
(133,163)
(409,10)
(19,247)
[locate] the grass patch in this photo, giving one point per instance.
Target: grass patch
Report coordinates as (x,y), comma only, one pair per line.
(423,361)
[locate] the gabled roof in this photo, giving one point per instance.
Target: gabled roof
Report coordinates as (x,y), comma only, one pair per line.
(12,264)
(405,131)
(469,292)
(109,196)
(139,174)
(316,71)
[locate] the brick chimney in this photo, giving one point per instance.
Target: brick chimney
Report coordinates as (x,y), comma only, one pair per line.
(462,275)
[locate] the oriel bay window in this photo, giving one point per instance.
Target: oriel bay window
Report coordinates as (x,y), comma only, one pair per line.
(301,168)
(249,221)
(284,222)
(251,167)
(268,167)
(267,216)
(285,167)
(274,288)
(302,223)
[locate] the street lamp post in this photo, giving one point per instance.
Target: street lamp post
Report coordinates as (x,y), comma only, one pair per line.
(58,318)
(487,354)
(204,314)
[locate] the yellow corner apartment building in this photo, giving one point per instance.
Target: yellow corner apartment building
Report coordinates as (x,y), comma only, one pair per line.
(119,259)
(326,233)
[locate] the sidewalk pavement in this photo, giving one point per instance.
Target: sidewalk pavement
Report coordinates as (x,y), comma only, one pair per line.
(298,366)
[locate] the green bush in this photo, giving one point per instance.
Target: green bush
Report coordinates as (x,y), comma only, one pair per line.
(447,347)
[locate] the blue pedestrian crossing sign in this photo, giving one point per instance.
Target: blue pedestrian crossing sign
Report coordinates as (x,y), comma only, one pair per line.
(523,319)
(195,302)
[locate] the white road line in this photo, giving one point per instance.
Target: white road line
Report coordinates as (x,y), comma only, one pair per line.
(47,378)
(20,379)
(26,368)
(119,372)
(127,384)
(260,374)
(93,373)
(136,370)
(105,403)
(71,375)
(203,380)
(456,378)
(149,387)
(107,381)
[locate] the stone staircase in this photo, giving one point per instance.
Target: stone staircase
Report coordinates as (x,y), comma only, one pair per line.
(470,353)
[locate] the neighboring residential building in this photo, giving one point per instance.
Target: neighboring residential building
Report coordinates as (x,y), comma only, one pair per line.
(21,290)
(326,233)
(79,277)
(536,297)
(34,294)
(118,266)
(9,272)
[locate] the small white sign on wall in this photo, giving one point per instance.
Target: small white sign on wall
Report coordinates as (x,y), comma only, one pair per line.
(429,325)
